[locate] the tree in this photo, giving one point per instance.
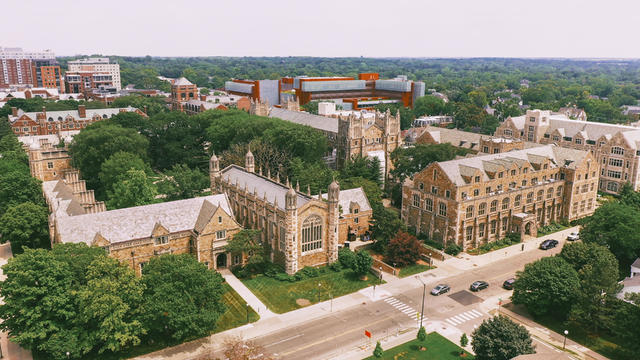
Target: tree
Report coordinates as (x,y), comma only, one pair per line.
(464,341)
(117,165)
(386,224)
(403,249)
(25,225)
(132,189)
(237,349)
(629,197)
(179,138)
(377,352)
(598,272)
(548,285)
(182,298)
(98,142)
(19,187)
(247,242)
(614,225)
(182,182)
(346,257)
(499,338)
(311,107)
(109,306)
(410,161)
(362,167)
(361,263)
(315,176)
(422,334)
(428,105)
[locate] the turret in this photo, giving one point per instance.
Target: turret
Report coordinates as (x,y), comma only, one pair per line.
(249,161)
(332,231)
(291,199)
(214,171)
(334,191)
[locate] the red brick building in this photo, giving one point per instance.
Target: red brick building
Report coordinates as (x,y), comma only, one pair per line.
(182,90)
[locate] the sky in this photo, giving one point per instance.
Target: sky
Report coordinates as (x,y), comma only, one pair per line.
(328,28)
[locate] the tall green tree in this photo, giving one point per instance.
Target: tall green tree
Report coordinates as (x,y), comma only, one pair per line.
(25,225)
(183,299)
(362,167)
(546,286)
(18,187)
(361,263)
(182,182)
(499,338)
(117,166)
(247,242)
(428,105)
(98,142)
(134,188)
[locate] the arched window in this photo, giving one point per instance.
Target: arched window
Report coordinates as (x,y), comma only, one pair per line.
(104,116)
(50,118)
(549,193)
(505,203)
(482,208)
(516,201)
(312,233)
(59,118)
(529,197)
(540,195)
(494,206)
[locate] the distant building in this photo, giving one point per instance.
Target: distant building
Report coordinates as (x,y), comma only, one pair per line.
(36,69)
(476,143)
(573,113)
(52,122)
(49,154)
(193,107)
(264,91)
(85,82)
(479,199)
(98,65)
(439,120)
(631,284)
(182,90)
(616,147)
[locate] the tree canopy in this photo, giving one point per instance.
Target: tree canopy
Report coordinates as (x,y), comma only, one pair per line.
(499,338)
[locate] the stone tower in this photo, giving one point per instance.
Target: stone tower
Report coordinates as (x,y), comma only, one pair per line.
(332,238)
(291,224)
(249,161)
(536,124)
(258,108)
(214,172)
(291,105)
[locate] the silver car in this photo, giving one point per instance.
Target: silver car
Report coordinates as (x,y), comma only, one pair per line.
(573,236)
(440,289)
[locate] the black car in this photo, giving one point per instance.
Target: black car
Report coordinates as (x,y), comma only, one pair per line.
(478,285)
(440,289)
(548,244)
(508,284)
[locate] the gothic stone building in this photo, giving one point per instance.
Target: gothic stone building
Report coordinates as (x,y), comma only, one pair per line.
(199,226)
(475,200)
(300,229)
(615,147)
(372,134)
(47,160)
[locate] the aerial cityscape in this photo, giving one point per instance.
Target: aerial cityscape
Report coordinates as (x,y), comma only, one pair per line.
(341,180)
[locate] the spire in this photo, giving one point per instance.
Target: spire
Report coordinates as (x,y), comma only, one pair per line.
(308,189)
(269,173)
(260,171)
(249,161)
(297,185)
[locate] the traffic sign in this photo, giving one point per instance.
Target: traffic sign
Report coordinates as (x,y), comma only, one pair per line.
(367,334)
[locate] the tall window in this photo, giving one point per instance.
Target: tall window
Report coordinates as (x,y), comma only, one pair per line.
(617,150)
(549,193)
(540,195)
(482,208)
(481,230)
(493,226)
(312,233)
(416,200)
(517,200)
(494,206)
(559,191)
(221,234)
(282,242)
(505,203)
(530,198)
(470,211)
(428,204)
(469,233)
(442,209)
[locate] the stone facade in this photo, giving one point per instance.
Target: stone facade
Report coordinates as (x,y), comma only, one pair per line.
(615,147)
(475,200)
(47,160)
(300,229)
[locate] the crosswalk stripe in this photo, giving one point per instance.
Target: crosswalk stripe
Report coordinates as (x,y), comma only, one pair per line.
(465,317)
(476,312)
(461,319)
(471,314)
(456,321)
(451,322)
(392,301)
(402,307)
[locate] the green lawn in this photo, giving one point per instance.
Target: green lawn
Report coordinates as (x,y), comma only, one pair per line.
(413,269)
(438,348)
(550,229)
(281,296)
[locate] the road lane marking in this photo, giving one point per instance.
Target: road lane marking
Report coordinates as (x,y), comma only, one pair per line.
(477,312)
(287,339)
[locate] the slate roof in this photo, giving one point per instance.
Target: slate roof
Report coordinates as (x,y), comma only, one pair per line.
(182,81)
(346,197)
(34,141)
(139,222)
(560,157)
(315,121)
(55,115)
(60,197)
(274,191)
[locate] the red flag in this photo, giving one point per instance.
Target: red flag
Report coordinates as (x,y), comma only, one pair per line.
(367,334)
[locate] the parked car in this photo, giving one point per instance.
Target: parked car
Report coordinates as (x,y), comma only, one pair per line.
(478,285)
(440,289)
(573,236)
(508,284)
(548,244)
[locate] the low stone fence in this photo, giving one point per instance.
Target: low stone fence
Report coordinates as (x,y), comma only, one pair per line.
(426,252)
(377,264)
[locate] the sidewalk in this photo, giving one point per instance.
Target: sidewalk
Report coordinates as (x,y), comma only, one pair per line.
(247,295)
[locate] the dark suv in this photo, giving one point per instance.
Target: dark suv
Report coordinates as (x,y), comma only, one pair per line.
(508,284)
(548,244)
(478,285)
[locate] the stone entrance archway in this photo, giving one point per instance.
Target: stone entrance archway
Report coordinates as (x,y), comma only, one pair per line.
(221,261)
(527,228)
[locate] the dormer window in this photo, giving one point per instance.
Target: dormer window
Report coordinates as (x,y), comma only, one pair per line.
(163,239)
(477,179)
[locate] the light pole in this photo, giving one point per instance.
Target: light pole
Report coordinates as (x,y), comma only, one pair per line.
(380,274)
(564,344)
(68,354)
(430,260)
(319,288)
(424,291)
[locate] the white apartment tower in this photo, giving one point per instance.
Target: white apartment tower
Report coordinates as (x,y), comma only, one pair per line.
(96,65)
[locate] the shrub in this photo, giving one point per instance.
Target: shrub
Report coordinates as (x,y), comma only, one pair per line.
(464,340)
(515,237)
(336,266)
(346,257)
(377,352)
(434,244)
(284,277)
(452,249)
(422,334)
(362,263)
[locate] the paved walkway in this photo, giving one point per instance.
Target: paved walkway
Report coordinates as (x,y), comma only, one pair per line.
(247,295)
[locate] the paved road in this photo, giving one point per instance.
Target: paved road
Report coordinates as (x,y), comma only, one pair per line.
(334,335)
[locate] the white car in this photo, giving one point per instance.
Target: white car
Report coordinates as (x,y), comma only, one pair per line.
(573,236)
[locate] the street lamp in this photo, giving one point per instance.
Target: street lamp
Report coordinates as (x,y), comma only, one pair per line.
(380,275)
(430,260)
(68,354)
(424,291)
(564,344)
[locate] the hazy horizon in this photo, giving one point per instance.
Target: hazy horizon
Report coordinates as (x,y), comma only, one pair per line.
(544,29)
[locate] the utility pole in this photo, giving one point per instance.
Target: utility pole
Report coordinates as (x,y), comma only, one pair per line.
(424,291)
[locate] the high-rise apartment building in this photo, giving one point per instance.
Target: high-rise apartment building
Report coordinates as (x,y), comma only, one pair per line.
(98,66)
(37,69)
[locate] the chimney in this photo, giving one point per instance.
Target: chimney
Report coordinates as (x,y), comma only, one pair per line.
(82,111)
(14,111)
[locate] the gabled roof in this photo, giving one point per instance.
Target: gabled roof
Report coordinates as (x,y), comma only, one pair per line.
(182,81)
(140,221)
(346,197)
